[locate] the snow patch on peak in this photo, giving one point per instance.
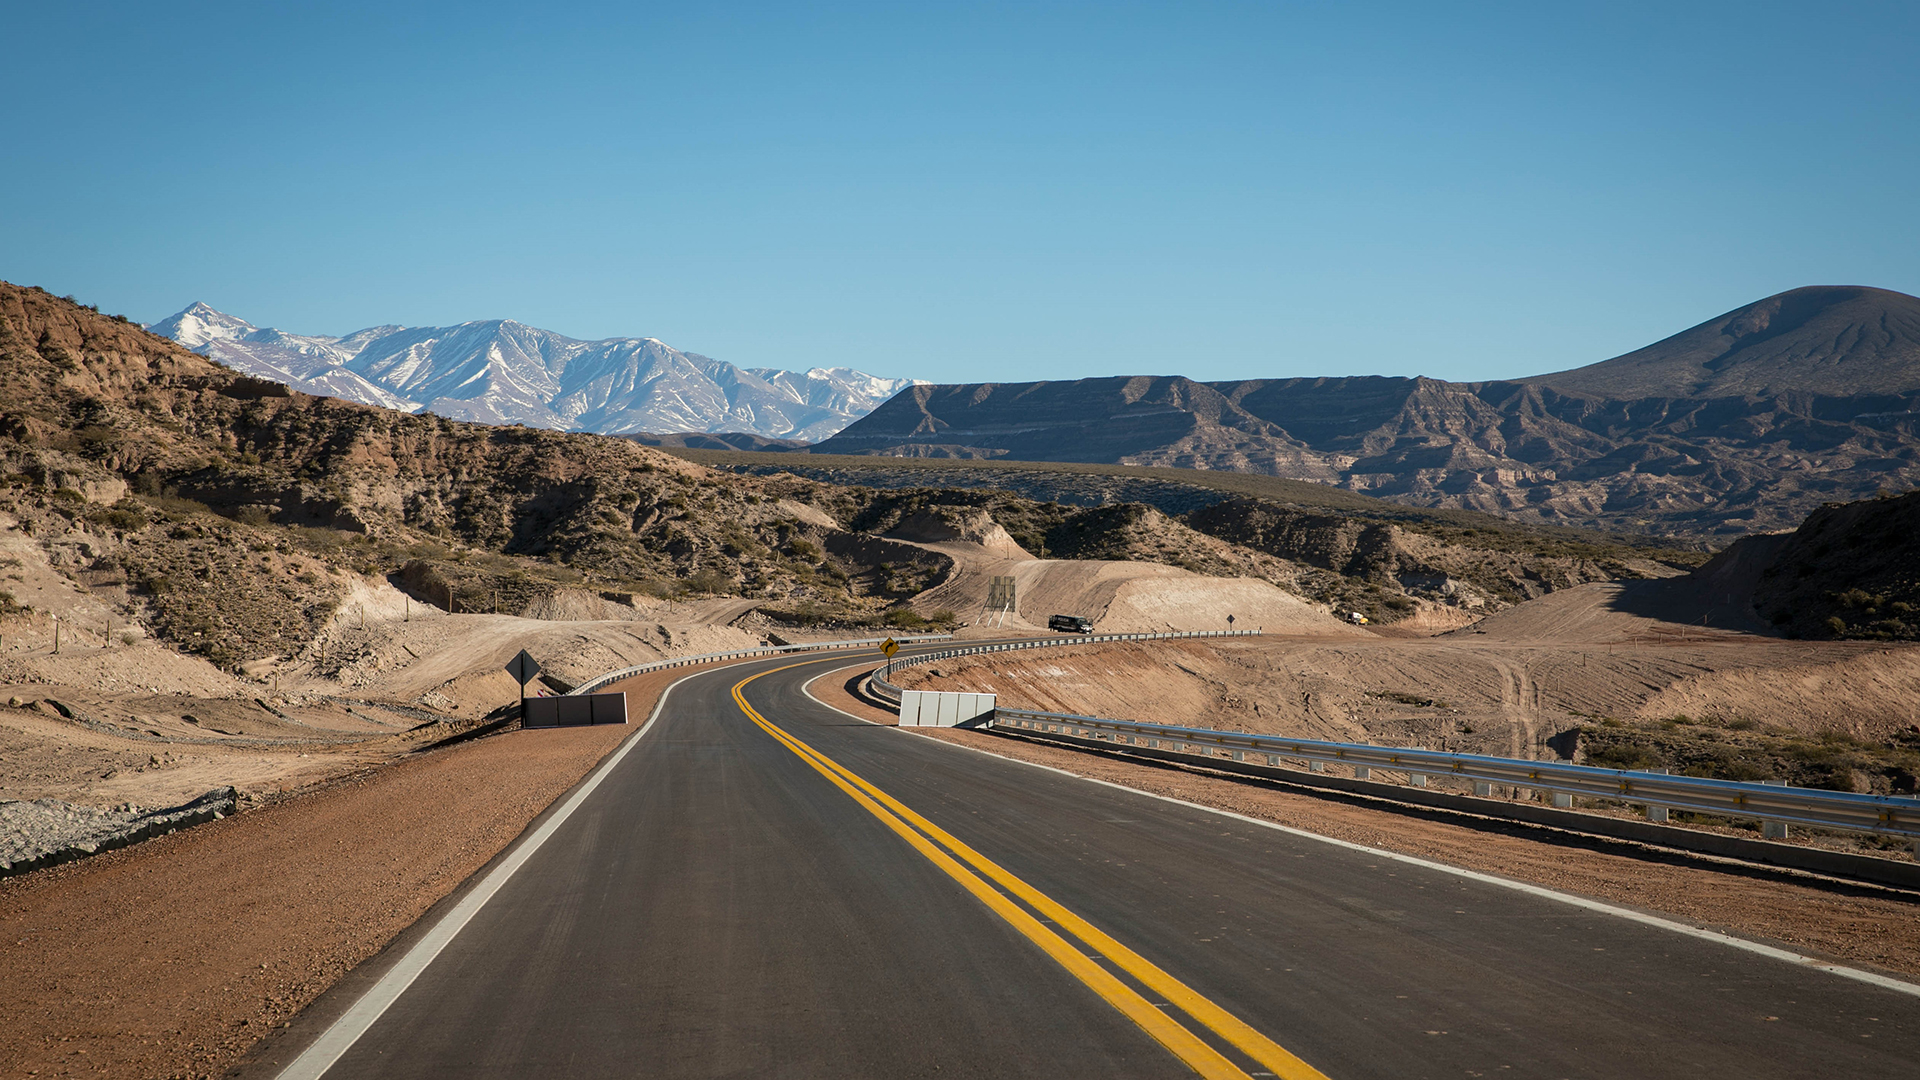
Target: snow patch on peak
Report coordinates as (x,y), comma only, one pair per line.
(502,371)
(198,324)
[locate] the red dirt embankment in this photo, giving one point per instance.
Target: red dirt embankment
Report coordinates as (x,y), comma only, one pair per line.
(171,958)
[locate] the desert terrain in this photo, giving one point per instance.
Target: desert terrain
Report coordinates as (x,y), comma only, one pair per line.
(209,584)
(113,719)
(1594,674)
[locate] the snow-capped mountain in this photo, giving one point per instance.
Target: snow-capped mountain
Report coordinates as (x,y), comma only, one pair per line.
(200,324)
(503,372)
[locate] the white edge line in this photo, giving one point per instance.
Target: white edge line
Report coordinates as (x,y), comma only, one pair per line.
(807,689)
(333,1043)
(1700,932)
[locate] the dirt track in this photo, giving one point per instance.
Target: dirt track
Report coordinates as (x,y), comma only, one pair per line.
(1493,693)
(1121,597)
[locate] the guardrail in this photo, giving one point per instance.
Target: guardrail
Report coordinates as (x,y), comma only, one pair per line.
(1886,815)
(599,681)
(892,693)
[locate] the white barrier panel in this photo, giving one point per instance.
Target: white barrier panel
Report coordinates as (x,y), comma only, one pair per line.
(940,708)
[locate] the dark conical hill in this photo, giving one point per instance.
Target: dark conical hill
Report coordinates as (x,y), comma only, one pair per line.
(1830,340)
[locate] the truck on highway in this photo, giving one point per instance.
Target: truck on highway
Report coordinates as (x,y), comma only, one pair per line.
(1070,624)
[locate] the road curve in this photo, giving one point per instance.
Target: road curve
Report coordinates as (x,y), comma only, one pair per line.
(805,895)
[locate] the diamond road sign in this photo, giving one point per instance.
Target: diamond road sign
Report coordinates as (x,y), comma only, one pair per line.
(889,647)
(523,668)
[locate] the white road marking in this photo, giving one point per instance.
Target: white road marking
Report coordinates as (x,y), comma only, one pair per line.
(1702,933)
(321,1055)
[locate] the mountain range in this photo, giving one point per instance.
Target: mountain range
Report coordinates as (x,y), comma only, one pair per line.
(1743,423)
(498,371)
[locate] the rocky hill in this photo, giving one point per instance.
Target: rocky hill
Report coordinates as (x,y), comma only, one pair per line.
(1850,571)
(1830,341)
(499,371)
(1745,423)
(227,513)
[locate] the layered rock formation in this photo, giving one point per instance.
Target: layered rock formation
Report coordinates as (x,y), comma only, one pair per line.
(1746,422)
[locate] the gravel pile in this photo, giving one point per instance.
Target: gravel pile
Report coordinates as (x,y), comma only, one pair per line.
(46,832)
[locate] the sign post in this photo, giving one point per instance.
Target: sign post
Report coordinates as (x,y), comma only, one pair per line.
(523,668)
(1000,598)
(889,647)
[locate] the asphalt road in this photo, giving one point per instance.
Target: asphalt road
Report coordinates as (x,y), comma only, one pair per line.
(728,903)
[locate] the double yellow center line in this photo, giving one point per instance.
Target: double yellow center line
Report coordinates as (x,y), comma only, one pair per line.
(980,875)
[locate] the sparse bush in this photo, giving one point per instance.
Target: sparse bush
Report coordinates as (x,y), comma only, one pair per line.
(1622,756)
(122,517)
(906,619)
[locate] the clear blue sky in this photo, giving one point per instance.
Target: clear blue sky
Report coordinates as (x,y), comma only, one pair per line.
(966,192)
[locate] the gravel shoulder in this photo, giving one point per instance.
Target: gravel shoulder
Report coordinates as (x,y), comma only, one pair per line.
(172,957)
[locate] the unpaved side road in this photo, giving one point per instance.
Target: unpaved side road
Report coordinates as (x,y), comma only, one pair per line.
(171,958)
(1862,925)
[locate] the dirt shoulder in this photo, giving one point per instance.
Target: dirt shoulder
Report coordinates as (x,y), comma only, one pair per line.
(1861,925)
(171,958)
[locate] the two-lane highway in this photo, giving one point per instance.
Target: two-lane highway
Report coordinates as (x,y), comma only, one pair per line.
(763,886)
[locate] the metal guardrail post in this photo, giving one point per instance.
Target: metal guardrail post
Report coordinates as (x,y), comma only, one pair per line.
(1657,814)
(1775,804)
(1773,830)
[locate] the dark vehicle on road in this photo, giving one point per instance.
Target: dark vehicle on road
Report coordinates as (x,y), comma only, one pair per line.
(1070,624)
